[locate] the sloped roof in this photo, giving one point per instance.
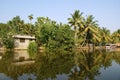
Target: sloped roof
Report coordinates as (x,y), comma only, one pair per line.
(24,36)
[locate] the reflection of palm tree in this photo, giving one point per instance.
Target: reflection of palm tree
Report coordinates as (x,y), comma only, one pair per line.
(106,59)
(116,57)
(89,65)
(75,75)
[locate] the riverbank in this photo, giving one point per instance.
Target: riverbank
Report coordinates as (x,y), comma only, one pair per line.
(96,47)
(83,48)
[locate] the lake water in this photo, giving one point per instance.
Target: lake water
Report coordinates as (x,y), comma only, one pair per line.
(60,65)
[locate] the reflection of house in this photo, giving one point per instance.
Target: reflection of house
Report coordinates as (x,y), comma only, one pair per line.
(22,57)
(22,42)
(21,54)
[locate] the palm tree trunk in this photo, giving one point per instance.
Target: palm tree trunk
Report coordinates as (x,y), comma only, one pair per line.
(75,36)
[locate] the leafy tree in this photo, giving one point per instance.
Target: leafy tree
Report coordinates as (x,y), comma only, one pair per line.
(8,41)
(4,28)
(53,35)
(62,38)
(16,25)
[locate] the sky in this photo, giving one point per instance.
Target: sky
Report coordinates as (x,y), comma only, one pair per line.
(106,12)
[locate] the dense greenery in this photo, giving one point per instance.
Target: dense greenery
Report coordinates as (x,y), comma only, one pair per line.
(8,41)
(56,36)
(53,35)
(80,31)
(32,49)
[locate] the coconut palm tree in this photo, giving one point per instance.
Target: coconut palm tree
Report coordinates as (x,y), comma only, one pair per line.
(91,30)
(76,22)
(30,17)
(31,26)
(105,38)
(116,36)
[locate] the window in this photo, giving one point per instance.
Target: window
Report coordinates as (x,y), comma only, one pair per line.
(31,39)
(22,40)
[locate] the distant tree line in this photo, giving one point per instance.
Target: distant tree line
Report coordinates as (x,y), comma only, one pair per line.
(79,31)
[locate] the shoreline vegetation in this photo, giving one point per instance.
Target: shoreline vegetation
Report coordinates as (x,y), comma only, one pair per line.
(79,31)
(84,48)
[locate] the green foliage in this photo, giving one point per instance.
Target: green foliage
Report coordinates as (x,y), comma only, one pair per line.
(50,64)
(3,29)
(16,24)
(54,36)
(105,38)
(32,49)
(116,36)
(8,41)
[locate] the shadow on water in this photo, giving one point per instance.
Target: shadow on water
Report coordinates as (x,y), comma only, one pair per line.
(59,65)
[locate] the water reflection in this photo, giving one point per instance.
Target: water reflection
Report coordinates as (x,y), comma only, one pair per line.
(60,65)
(4,77)
(12,71)
(89,64)
(52,64)
(22,54)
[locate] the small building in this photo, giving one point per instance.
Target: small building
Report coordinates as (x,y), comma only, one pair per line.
(118,44)
(110,46)
(22,41)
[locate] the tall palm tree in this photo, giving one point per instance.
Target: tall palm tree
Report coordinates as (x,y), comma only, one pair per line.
(105,38)
(76,21)
(30,17)
(91,30)
(31,26)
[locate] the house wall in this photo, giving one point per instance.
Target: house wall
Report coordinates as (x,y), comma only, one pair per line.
(22,45)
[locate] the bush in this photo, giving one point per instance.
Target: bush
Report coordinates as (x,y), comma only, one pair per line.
(32,49)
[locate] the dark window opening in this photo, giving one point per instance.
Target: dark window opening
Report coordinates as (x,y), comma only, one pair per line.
(22,40)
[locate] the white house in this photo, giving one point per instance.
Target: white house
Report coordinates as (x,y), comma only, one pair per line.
(22,41)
